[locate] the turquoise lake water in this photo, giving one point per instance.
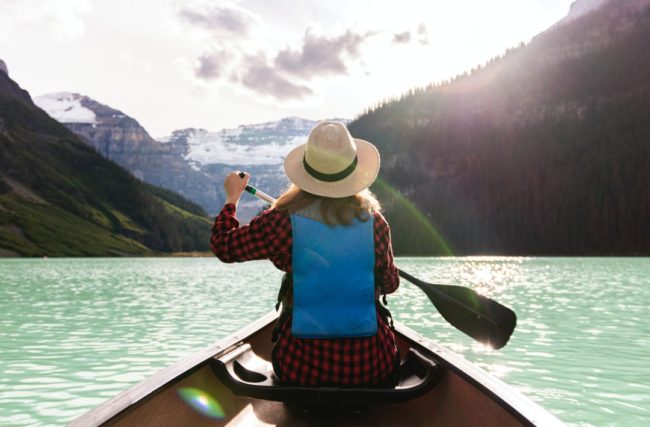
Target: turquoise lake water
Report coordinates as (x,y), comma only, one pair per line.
(75,332)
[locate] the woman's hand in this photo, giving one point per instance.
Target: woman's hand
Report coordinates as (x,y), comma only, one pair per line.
(234,185)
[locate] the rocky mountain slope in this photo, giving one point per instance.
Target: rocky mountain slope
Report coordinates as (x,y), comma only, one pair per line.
(191,162)
(123,140)
(257,148)
(59,197)
(545,150)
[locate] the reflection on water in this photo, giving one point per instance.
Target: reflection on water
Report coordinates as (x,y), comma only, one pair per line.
(74,332)
(583,329)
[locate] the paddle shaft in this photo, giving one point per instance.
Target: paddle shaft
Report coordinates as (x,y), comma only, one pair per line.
(255,192)
(476,315)
(262,195)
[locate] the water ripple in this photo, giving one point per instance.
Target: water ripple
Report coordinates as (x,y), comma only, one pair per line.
(580,347)
(74,332)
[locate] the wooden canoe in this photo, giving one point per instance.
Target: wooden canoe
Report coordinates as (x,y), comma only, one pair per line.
(444,390)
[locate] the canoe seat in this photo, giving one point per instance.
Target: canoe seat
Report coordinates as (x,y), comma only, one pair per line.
(248,375)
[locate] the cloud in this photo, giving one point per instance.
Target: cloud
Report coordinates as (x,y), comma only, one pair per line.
(219,19)
(237,43)
(211,65)
(62,20)
(404,37)
(321,55)
(261,77)
(423,34)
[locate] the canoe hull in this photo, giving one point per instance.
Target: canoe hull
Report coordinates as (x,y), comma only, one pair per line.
(465,395)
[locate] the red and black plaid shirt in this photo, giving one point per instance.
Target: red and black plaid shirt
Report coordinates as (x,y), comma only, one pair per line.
(341,361)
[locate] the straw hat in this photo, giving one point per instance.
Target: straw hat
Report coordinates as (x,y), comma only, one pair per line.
(332,163)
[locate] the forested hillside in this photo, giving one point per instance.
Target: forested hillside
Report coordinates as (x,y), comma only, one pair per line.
(59,197)
(545,150)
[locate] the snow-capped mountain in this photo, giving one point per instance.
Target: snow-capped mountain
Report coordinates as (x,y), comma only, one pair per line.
(122,139)
(259,149)
(247,145)
(191,162)
(66,107)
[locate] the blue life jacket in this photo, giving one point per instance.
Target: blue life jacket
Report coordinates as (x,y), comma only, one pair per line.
(333,279)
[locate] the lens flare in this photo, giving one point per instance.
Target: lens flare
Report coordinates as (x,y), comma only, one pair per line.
(202,402)
(429,230)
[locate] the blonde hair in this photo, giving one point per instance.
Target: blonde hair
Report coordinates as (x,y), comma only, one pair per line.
(334,210)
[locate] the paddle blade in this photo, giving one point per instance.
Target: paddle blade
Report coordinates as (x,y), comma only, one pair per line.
(476,315)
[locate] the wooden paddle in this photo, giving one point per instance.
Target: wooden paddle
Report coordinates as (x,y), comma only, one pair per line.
(476,315)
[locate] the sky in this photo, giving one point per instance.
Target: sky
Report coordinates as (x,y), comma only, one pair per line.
(212,64)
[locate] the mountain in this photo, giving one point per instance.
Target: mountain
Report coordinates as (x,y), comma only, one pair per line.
(255,144)
(59,197)
(256,148)
(191,162)
(543,151)
(123,140)
(581,7)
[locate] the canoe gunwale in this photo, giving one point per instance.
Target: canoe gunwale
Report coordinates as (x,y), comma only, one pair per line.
(512,401)
(518,405)
(181,369)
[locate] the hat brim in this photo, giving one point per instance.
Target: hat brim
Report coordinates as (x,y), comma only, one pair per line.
(363,176)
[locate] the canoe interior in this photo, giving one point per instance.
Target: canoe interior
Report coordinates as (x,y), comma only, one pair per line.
(455,401)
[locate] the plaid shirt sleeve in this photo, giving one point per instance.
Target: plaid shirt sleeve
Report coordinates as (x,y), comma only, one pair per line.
(268,236)
(386,274)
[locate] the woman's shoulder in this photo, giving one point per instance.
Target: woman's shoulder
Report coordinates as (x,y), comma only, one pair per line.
(271,223)
(378,217)
(380,222)
(273,214)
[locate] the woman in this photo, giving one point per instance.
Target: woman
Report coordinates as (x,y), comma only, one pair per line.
(327,234)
